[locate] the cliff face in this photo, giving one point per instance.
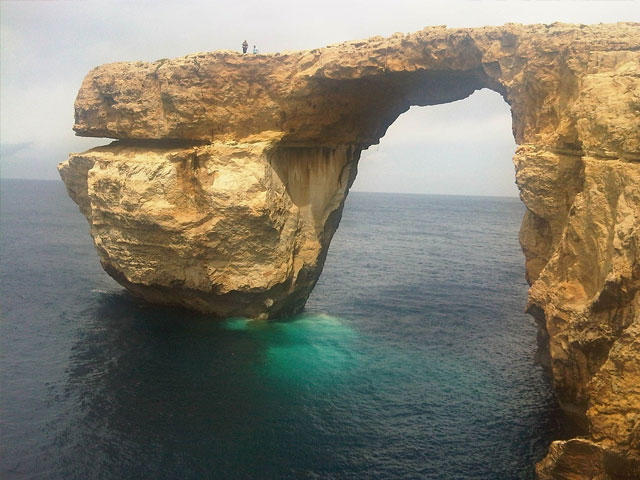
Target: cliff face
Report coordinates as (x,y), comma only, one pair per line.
(230,172)
(229,228)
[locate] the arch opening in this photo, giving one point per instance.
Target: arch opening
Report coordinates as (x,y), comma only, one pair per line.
(459,148)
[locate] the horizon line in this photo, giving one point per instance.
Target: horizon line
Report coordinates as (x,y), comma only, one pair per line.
(351,191)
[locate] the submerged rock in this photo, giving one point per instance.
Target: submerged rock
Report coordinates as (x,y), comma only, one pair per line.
(229,176)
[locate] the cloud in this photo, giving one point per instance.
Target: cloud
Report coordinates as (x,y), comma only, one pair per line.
(7,150)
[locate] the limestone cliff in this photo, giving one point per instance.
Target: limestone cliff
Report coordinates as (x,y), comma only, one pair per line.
(228,228)
(230,172)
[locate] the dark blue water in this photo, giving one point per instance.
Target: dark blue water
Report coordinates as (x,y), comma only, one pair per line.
(413,359)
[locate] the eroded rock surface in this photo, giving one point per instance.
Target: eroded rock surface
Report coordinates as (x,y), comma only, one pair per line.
(230,172)
(226,228)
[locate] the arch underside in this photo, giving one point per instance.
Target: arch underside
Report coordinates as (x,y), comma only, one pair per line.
(229,174)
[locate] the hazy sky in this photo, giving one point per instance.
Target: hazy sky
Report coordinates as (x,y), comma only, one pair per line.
(463,148)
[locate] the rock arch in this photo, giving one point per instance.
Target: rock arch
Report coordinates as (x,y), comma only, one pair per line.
(229,174)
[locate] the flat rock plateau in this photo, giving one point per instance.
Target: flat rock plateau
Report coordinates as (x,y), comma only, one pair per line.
(229,172)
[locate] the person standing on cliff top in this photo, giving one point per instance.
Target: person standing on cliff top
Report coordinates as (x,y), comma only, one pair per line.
(255,50)
(245,45)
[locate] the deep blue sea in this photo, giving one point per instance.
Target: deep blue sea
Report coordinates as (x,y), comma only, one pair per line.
(413,360)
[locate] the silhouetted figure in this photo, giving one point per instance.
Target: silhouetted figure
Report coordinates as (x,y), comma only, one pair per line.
(245,45)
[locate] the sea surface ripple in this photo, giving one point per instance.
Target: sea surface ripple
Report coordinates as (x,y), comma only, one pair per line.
(413,359)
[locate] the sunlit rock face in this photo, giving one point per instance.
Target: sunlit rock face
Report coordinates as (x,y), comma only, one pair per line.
(230,172)
(234,229)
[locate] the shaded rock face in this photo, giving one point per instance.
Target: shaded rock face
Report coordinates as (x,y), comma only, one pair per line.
(229,174)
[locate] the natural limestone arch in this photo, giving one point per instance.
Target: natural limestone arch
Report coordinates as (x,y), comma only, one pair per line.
(230,172)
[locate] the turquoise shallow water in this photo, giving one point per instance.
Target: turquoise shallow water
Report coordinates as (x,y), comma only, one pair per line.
(412,360)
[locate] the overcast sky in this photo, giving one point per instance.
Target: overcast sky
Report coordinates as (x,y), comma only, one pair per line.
(461,148)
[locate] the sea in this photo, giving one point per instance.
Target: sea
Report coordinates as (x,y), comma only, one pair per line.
(413,359)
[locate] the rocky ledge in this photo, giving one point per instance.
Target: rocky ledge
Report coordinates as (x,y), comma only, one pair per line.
(229,174)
